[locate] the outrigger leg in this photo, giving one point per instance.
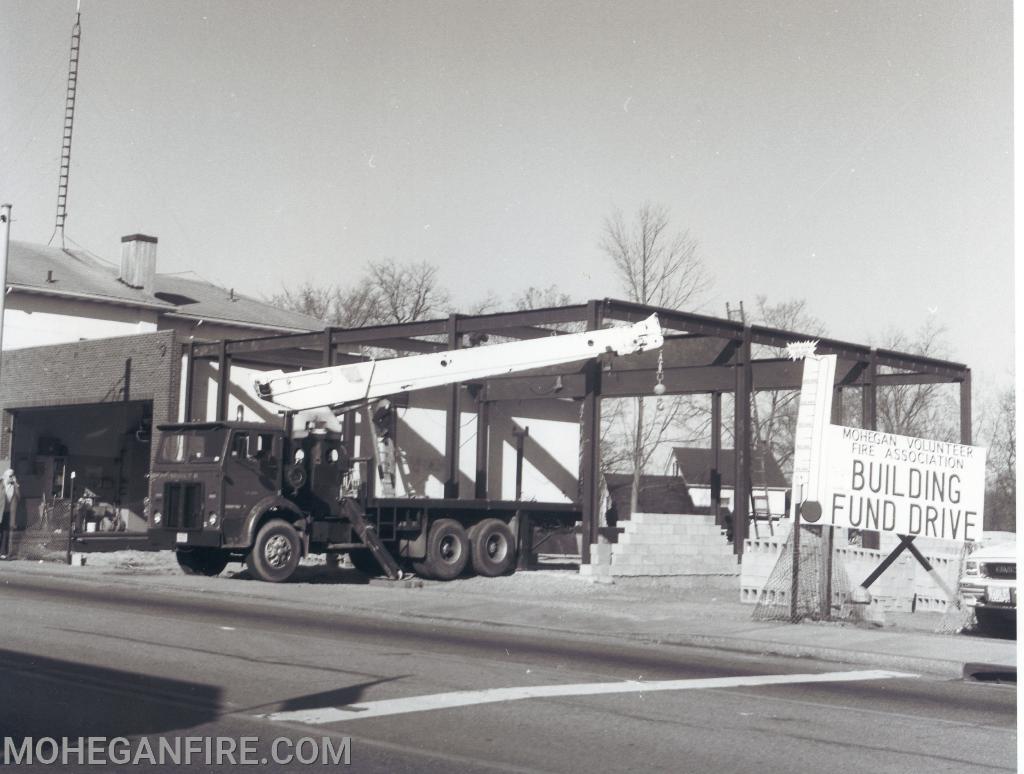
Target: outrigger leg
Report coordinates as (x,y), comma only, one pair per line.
(368,535)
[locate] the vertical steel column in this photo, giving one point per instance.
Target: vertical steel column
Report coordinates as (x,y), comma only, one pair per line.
(741,493)
(965,408)
(451,436)
(348,430)
(837,405)
(869,410)
(828,532)
(189,380)
(590,467)
(223,381)
(716,457)
(327,358)
(483,432)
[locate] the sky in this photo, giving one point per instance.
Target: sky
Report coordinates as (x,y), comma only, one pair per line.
(855,154)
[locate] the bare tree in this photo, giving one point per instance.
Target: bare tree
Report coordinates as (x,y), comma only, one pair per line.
(660,267)
(541,298)
(388,292)
(307,298)
(997,431)
(924,410)
(656,266)
(407,292)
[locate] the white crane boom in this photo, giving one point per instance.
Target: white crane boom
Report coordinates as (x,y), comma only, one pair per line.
(358,383)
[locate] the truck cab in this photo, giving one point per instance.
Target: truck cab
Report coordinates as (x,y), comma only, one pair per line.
(215,486)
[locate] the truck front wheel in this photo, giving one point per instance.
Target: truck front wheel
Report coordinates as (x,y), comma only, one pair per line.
(447,551)
(201,561)
(494,548)
(276,552)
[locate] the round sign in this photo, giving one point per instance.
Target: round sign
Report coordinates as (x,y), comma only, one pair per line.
(810,511)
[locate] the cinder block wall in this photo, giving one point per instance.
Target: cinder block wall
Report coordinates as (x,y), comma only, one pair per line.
(667,544)
(894,590)
(88,372)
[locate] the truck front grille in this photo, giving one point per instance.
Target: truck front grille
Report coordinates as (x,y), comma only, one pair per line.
(1000,570)
(183,505)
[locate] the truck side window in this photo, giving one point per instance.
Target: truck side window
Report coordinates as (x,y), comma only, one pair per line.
(240,445)
(264,445)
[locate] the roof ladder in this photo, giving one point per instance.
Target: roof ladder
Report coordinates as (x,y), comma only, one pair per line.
(69,122)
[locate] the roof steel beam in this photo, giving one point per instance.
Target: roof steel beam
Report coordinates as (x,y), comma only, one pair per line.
(495,323)
(410,345)
(262,344)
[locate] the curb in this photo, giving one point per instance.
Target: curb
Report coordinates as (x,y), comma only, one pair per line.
(994,673)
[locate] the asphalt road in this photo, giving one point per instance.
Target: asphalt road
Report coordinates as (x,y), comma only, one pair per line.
(79,660)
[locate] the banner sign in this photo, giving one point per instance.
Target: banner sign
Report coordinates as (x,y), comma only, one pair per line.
(894,483)
(812,418)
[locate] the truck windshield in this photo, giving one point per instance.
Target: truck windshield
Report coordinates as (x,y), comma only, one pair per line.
(192,446)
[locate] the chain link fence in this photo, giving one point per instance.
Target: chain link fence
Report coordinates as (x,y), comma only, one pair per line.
(958,617)
(822,586)
(45,534)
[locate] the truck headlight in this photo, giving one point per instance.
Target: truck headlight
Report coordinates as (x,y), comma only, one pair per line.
(971,568)
(157,519)
(211,519)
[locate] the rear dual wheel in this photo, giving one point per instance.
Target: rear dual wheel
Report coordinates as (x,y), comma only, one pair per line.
(448,550)
(489,545)
(493,548)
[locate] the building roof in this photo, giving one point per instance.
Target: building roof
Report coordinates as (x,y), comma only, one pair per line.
(52,271)
(57,272)
(658,494)
(695,468)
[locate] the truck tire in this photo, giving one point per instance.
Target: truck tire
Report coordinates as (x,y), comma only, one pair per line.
(447,551)
(364,561)
(493,548)
(999,622)
(275,553)
(201,561)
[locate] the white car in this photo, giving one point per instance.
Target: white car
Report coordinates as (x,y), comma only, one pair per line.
(989,583)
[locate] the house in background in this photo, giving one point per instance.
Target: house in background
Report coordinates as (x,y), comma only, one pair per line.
(91,363)
(658,494)
(57,296)
(696,466)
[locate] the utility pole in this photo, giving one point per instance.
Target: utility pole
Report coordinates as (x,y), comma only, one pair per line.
(5,240)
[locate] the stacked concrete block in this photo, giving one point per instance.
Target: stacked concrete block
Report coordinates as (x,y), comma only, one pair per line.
(600,567)
(675,545)
(929,595)
(759,558)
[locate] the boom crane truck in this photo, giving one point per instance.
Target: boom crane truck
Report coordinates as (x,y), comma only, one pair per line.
(223,491)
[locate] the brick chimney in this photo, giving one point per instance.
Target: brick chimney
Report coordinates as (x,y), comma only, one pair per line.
(138,261)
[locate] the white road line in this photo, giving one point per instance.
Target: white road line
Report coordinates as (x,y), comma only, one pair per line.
(437,701)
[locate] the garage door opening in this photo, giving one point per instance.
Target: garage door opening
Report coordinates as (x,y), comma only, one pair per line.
(106,446)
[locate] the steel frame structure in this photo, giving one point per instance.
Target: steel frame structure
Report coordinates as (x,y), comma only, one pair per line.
(701,355)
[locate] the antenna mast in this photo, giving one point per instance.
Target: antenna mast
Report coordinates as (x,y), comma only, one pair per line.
(69,122)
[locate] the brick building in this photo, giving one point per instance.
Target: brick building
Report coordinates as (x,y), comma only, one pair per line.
(92,364)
